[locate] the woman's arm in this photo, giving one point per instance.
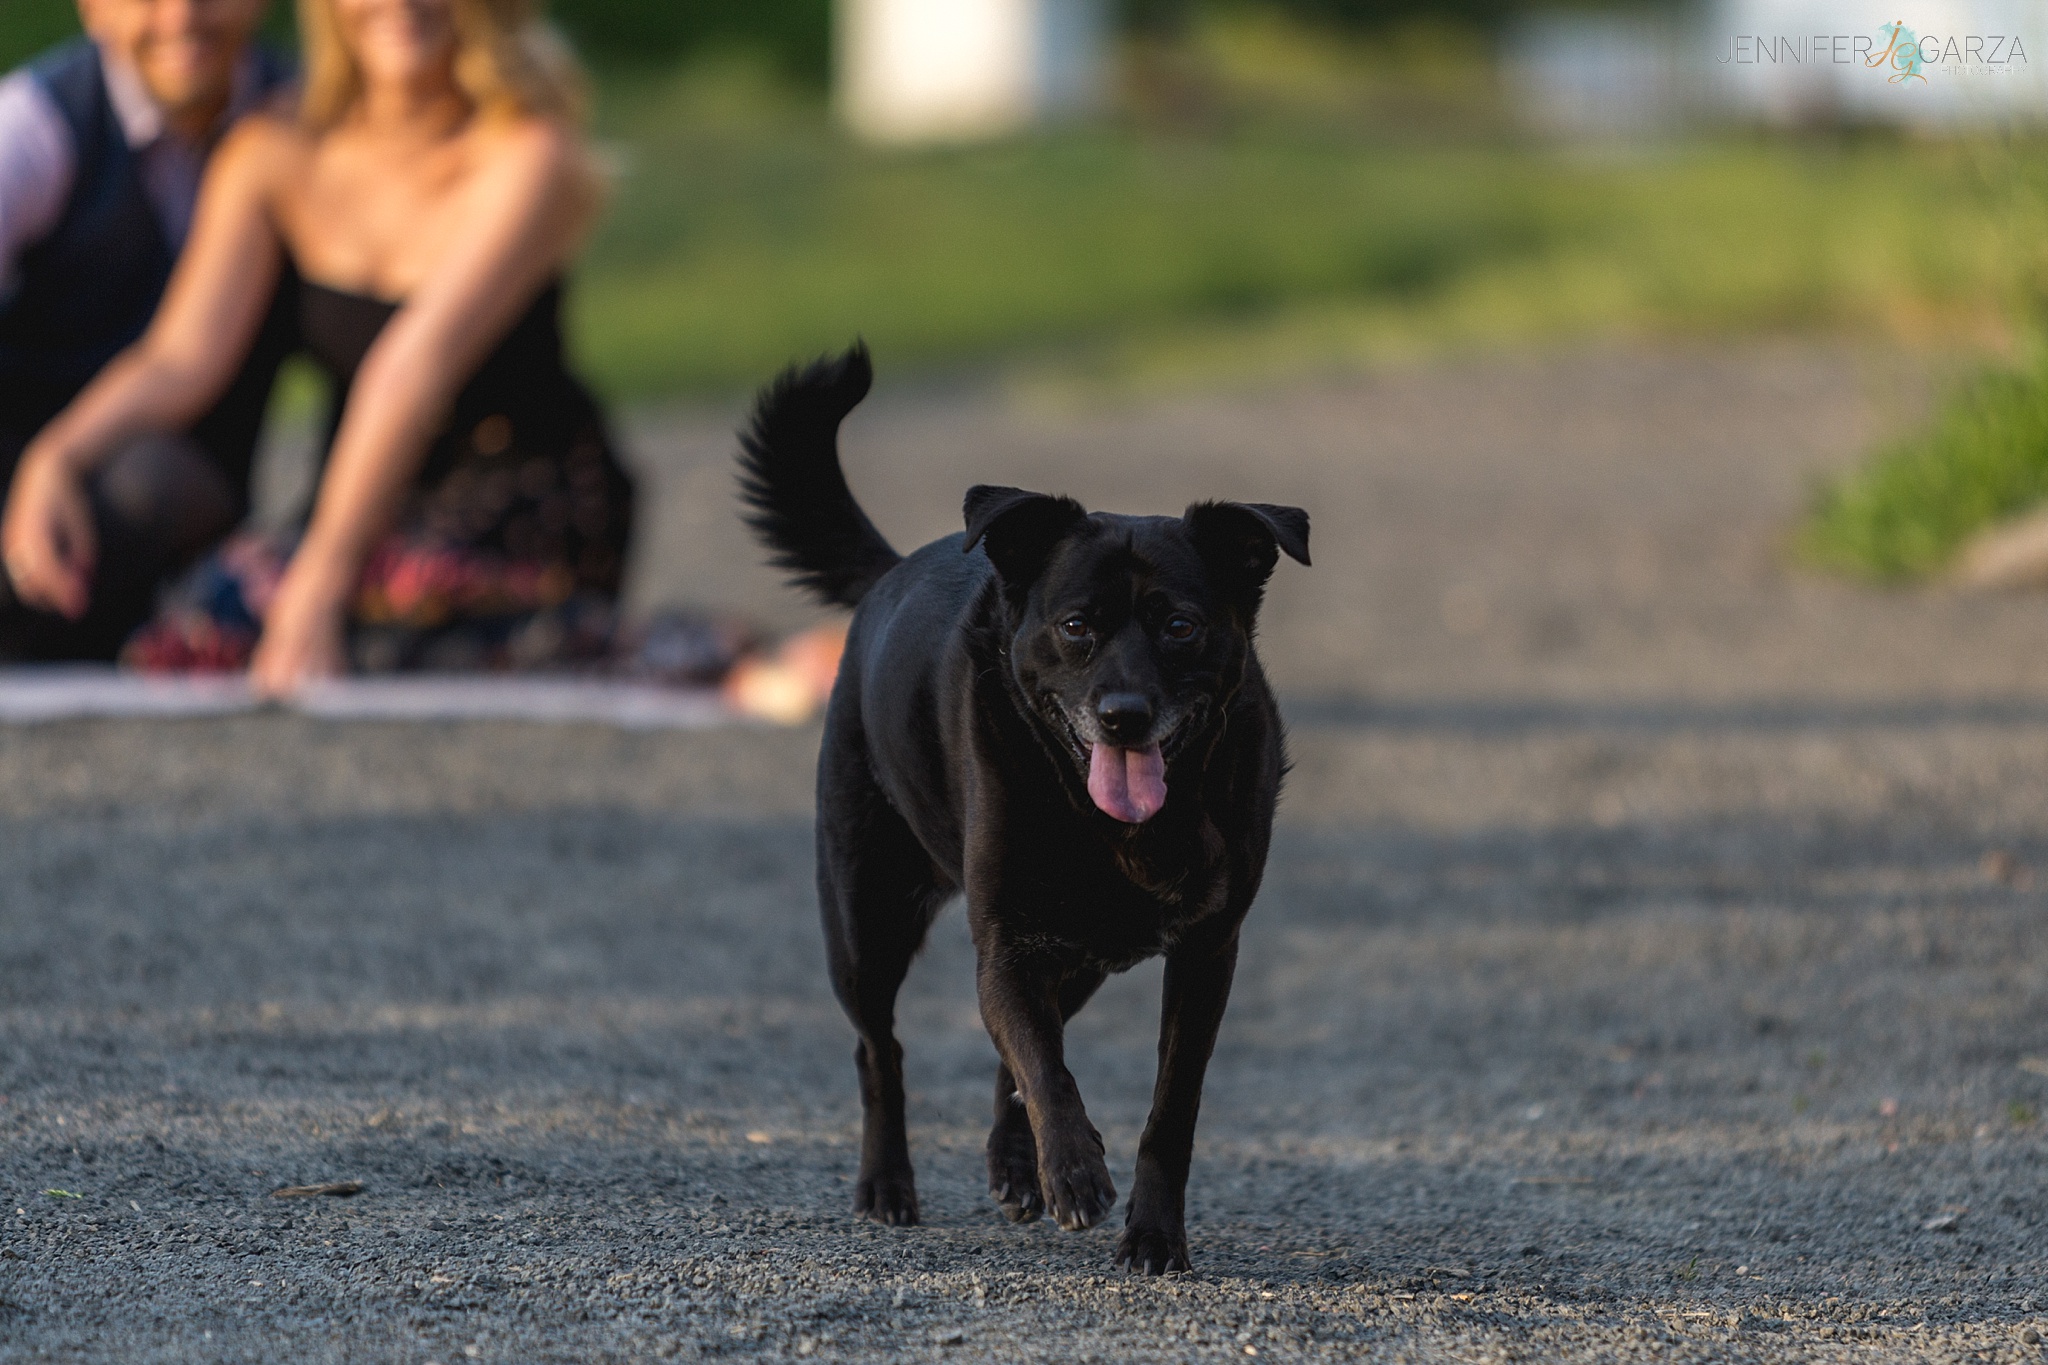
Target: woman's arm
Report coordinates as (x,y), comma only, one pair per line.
(528,206)
(196,342)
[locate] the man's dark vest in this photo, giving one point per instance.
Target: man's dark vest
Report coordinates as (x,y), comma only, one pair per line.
(89,288)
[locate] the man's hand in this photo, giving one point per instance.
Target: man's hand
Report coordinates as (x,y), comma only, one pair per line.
(46,535)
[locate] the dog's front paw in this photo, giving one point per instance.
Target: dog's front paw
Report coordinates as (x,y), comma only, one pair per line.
(1148,1250)
(1013,1169)
(888,1197)
(1075,1179)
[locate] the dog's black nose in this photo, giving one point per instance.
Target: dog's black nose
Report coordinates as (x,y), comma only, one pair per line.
(1125,717)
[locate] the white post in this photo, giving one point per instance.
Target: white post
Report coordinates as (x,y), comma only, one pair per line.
(933,70)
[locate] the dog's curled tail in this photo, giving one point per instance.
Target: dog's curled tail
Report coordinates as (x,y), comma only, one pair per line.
(795,494)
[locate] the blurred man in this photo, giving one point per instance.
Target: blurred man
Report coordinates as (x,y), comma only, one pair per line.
(103,141)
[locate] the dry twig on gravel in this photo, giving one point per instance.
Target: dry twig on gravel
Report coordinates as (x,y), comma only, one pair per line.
(339,1189)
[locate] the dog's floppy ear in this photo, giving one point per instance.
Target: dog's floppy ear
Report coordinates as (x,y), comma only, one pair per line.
(1019,529)
(1242,541)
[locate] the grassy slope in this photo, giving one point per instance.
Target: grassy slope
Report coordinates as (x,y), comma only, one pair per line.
(1906,513)
(745,232)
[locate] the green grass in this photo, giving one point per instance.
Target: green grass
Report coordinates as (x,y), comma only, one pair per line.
(746,232)
(1906,512)
(1257,245)
(737,244)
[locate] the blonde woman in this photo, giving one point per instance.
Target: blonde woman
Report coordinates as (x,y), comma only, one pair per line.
(422,205)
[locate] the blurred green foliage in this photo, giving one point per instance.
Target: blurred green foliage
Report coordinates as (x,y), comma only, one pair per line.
(1910,509)
(1984,455)
(795,36)
(1168,15)
(29,26)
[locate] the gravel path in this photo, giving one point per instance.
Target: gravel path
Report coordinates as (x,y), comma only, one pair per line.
(1651,964)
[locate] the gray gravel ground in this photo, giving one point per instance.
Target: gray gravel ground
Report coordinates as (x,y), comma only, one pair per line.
(1651,964)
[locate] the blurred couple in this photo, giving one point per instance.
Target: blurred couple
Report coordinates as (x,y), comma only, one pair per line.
(178,212)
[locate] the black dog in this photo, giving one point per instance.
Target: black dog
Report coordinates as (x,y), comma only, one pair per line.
(1060,714)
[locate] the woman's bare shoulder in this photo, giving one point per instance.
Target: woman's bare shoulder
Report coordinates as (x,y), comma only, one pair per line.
(264,146)
(530,147)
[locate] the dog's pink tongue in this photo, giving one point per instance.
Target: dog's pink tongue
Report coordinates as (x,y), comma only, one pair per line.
(1129,784)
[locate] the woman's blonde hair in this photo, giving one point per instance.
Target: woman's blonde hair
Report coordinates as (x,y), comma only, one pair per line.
(507,60)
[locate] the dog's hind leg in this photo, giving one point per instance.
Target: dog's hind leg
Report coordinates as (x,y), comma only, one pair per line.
(1012,1151)
(879,892)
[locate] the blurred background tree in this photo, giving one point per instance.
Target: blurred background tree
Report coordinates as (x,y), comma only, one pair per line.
(29,26)
(795,36)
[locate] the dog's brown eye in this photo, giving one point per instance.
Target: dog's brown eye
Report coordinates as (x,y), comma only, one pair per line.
(1180,628)
(1074,628)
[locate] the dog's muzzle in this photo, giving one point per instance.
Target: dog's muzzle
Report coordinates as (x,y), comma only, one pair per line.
(1121,742)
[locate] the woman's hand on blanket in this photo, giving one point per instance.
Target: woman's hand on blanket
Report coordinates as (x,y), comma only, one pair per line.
(46,535)
(302,631)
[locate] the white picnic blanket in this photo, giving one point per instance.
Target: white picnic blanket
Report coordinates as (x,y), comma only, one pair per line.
(59,692)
